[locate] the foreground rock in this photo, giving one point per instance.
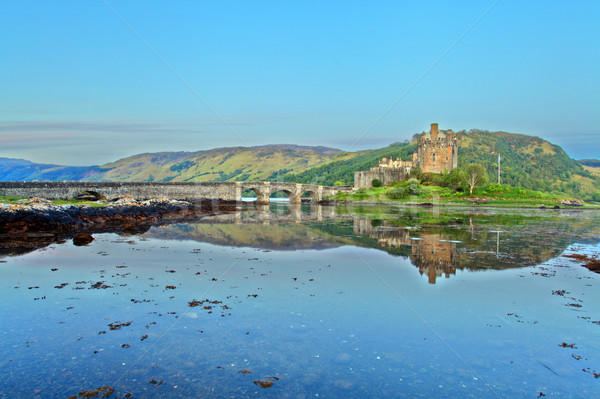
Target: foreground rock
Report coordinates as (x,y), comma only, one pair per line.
(36,222)
(81,239)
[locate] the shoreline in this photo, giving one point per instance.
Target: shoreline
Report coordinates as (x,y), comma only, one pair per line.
(38,222)
(499,204)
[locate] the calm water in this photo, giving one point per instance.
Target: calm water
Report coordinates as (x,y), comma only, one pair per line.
(322,302)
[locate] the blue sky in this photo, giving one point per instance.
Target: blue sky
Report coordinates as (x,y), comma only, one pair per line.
(79,87)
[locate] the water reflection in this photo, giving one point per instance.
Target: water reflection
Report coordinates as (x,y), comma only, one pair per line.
(436,242)
(432,253)
(207,307)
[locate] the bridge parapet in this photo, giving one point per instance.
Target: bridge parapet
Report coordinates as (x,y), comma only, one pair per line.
(191,191)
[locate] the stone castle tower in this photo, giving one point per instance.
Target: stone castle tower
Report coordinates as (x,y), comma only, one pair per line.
(437,151)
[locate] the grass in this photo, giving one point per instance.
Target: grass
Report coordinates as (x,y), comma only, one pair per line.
(16,201)
(491,195)
(10,200)
(79,202)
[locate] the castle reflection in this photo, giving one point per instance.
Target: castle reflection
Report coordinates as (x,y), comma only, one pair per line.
(433,254)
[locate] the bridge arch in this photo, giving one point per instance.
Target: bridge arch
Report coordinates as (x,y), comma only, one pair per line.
(90,195)
(261,195)
(294,198)
(310,195)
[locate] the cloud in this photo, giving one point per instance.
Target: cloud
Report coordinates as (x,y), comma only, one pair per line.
(84,142)
(121,127)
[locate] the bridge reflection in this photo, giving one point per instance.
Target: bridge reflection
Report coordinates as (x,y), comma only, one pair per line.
(278,212)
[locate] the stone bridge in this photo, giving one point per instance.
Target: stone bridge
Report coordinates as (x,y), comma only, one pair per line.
(228,191)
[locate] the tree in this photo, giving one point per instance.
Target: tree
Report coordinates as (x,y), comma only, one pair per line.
(475,176)
(454,179)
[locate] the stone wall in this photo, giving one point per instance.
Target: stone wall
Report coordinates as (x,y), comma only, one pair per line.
(385,174)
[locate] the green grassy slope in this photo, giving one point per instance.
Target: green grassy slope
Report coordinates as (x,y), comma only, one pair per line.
(527,161)
(220,164)
(342,170)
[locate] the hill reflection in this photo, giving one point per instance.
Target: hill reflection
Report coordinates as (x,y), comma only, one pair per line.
(436,242)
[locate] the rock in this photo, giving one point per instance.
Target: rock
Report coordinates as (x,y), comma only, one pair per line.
(571,202)
(27,226)
(37,200)
(81,239)
(125,200)
(478,200)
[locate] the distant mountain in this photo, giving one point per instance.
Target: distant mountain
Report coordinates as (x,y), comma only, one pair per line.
(591,165)
(22,170)
(266,162)
(594,163)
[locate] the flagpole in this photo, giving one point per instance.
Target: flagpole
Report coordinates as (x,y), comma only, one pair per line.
(498,168)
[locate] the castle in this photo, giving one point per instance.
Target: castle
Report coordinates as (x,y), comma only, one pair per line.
(437,151)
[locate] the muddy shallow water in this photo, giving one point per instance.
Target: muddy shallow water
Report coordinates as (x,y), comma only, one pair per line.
(328,302)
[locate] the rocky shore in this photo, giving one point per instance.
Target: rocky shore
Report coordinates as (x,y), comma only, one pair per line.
(37,222)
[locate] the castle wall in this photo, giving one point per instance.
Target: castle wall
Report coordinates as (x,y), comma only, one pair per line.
(386,175)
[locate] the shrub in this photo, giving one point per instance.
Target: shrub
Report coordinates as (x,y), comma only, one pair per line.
(417,173)
(397,193)
(414,186)
(361,194)
(341,196)
(376,183)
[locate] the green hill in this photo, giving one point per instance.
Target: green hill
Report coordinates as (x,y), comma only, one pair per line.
(527,161)
(220,164)
(342,170)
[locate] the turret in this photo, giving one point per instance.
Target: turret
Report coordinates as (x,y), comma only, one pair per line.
(434,131)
